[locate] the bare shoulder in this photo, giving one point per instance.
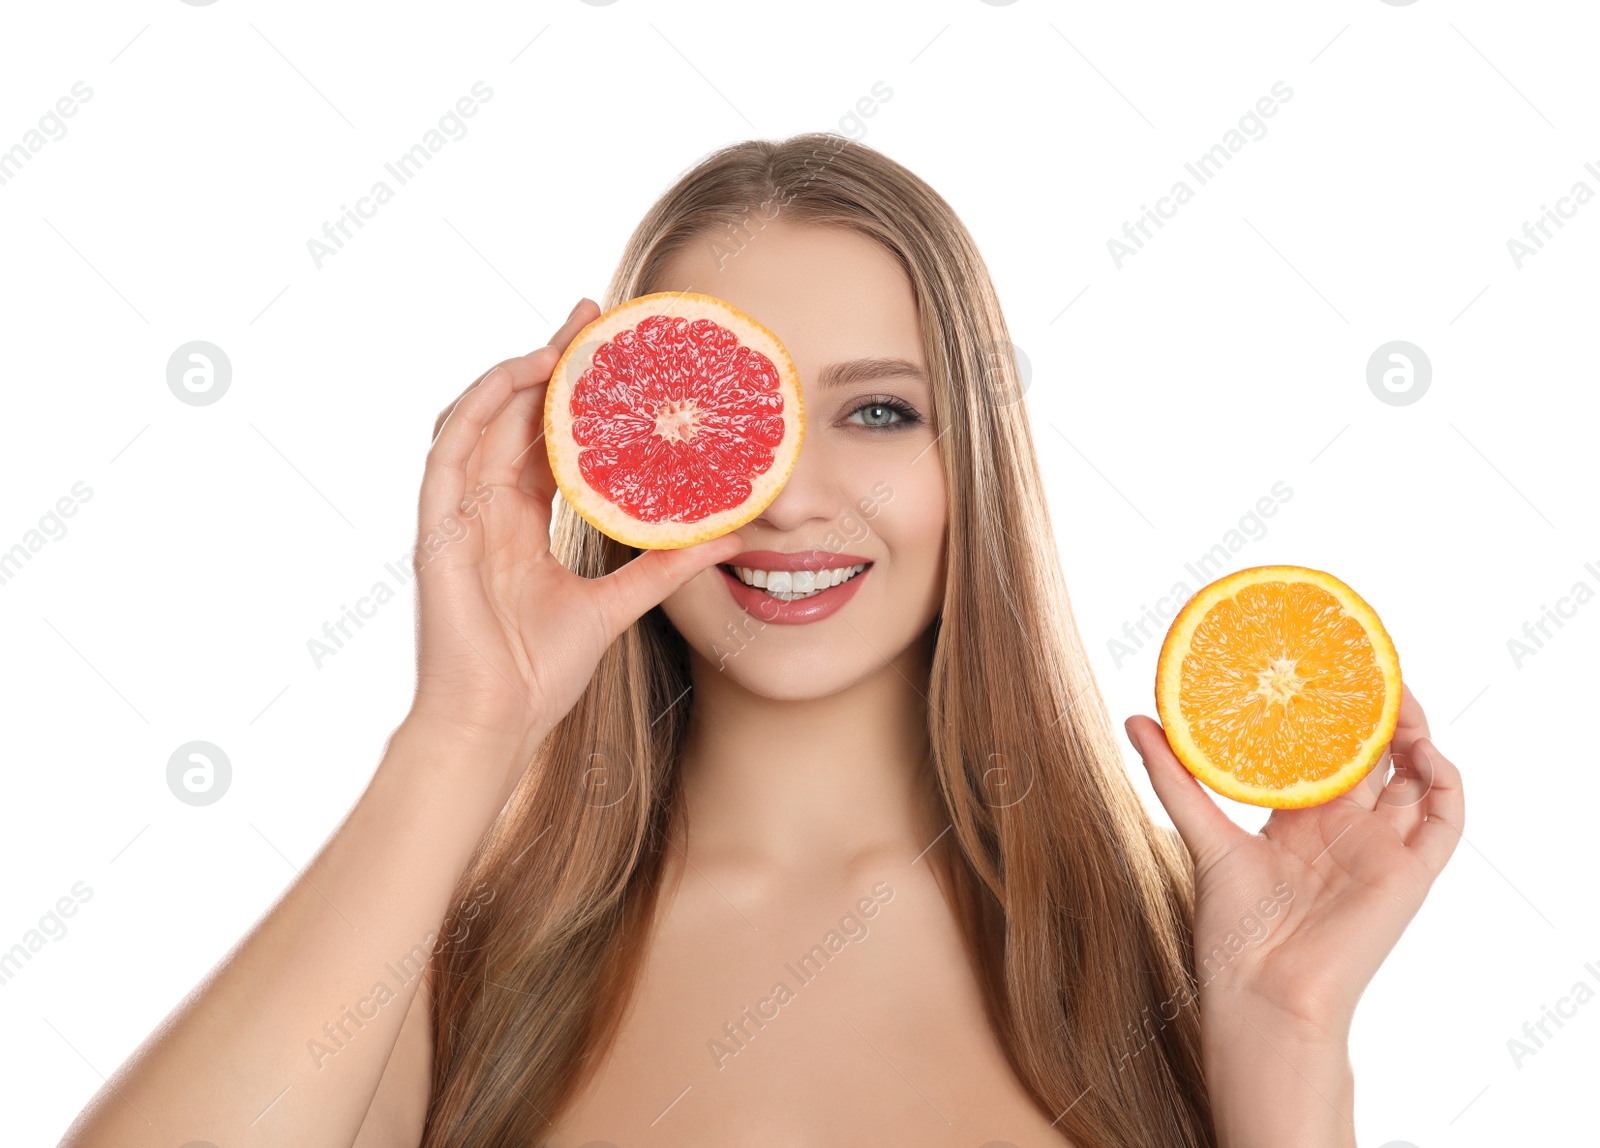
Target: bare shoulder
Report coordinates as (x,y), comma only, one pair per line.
(399,1107)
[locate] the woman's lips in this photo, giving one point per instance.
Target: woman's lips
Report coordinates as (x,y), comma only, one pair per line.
(757,602)
(795,560)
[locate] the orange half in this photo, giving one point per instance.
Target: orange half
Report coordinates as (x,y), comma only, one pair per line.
(1278,686)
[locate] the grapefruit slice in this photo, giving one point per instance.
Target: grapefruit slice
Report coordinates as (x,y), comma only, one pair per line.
(1278,686)
(672,419)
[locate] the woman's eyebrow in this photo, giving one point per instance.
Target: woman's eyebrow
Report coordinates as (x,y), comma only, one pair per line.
(864,370)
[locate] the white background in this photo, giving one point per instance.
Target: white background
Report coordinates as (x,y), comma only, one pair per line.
(1167,397)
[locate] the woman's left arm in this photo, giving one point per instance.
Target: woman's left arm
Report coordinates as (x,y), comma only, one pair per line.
(1292,922)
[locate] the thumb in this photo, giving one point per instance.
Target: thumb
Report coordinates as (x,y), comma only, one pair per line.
(654,575)
(1202,824)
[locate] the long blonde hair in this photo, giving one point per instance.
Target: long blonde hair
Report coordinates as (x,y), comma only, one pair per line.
(1076,906)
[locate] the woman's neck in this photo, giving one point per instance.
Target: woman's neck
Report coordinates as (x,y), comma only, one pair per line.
(791,786)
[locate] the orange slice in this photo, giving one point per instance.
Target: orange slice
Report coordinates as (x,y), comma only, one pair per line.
(1278,686)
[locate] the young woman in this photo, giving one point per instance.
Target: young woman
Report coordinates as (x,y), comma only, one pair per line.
(644,867)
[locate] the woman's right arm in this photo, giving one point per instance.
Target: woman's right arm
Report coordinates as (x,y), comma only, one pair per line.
(286,1041)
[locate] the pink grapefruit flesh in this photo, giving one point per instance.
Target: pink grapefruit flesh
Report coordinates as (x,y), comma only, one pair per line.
(672,419)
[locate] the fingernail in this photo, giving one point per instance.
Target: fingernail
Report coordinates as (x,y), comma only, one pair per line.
(575,307)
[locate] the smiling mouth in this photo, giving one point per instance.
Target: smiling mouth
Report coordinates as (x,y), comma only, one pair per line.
(794,585)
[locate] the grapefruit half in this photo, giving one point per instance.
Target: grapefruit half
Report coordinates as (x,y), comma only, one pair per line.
(672,419)
(1278,686)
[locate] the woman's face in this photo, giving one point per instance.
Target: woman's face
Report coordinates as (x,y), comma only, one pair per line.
(869,483)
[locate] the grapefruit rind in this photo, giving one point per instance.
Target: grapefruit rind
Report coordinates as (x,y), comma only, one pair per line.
(1169,677)
(610,519)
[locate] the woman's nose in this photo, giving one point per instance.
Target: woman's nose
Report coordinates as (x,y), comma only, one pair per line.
(812,495)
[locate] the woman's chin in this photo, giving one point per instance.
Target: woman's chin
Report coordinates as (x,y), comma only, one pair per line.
(790,675)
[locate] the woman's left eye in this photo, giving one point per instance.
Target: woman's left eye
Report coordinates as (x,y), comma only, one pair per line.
(878,411)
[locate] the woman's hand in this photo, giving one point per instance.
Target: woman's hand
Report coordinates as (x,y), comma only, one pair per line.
(1292,922)
(508,638)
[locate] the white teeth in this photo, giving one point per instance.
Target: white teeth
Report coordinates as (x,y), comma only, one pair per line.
(789,585)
